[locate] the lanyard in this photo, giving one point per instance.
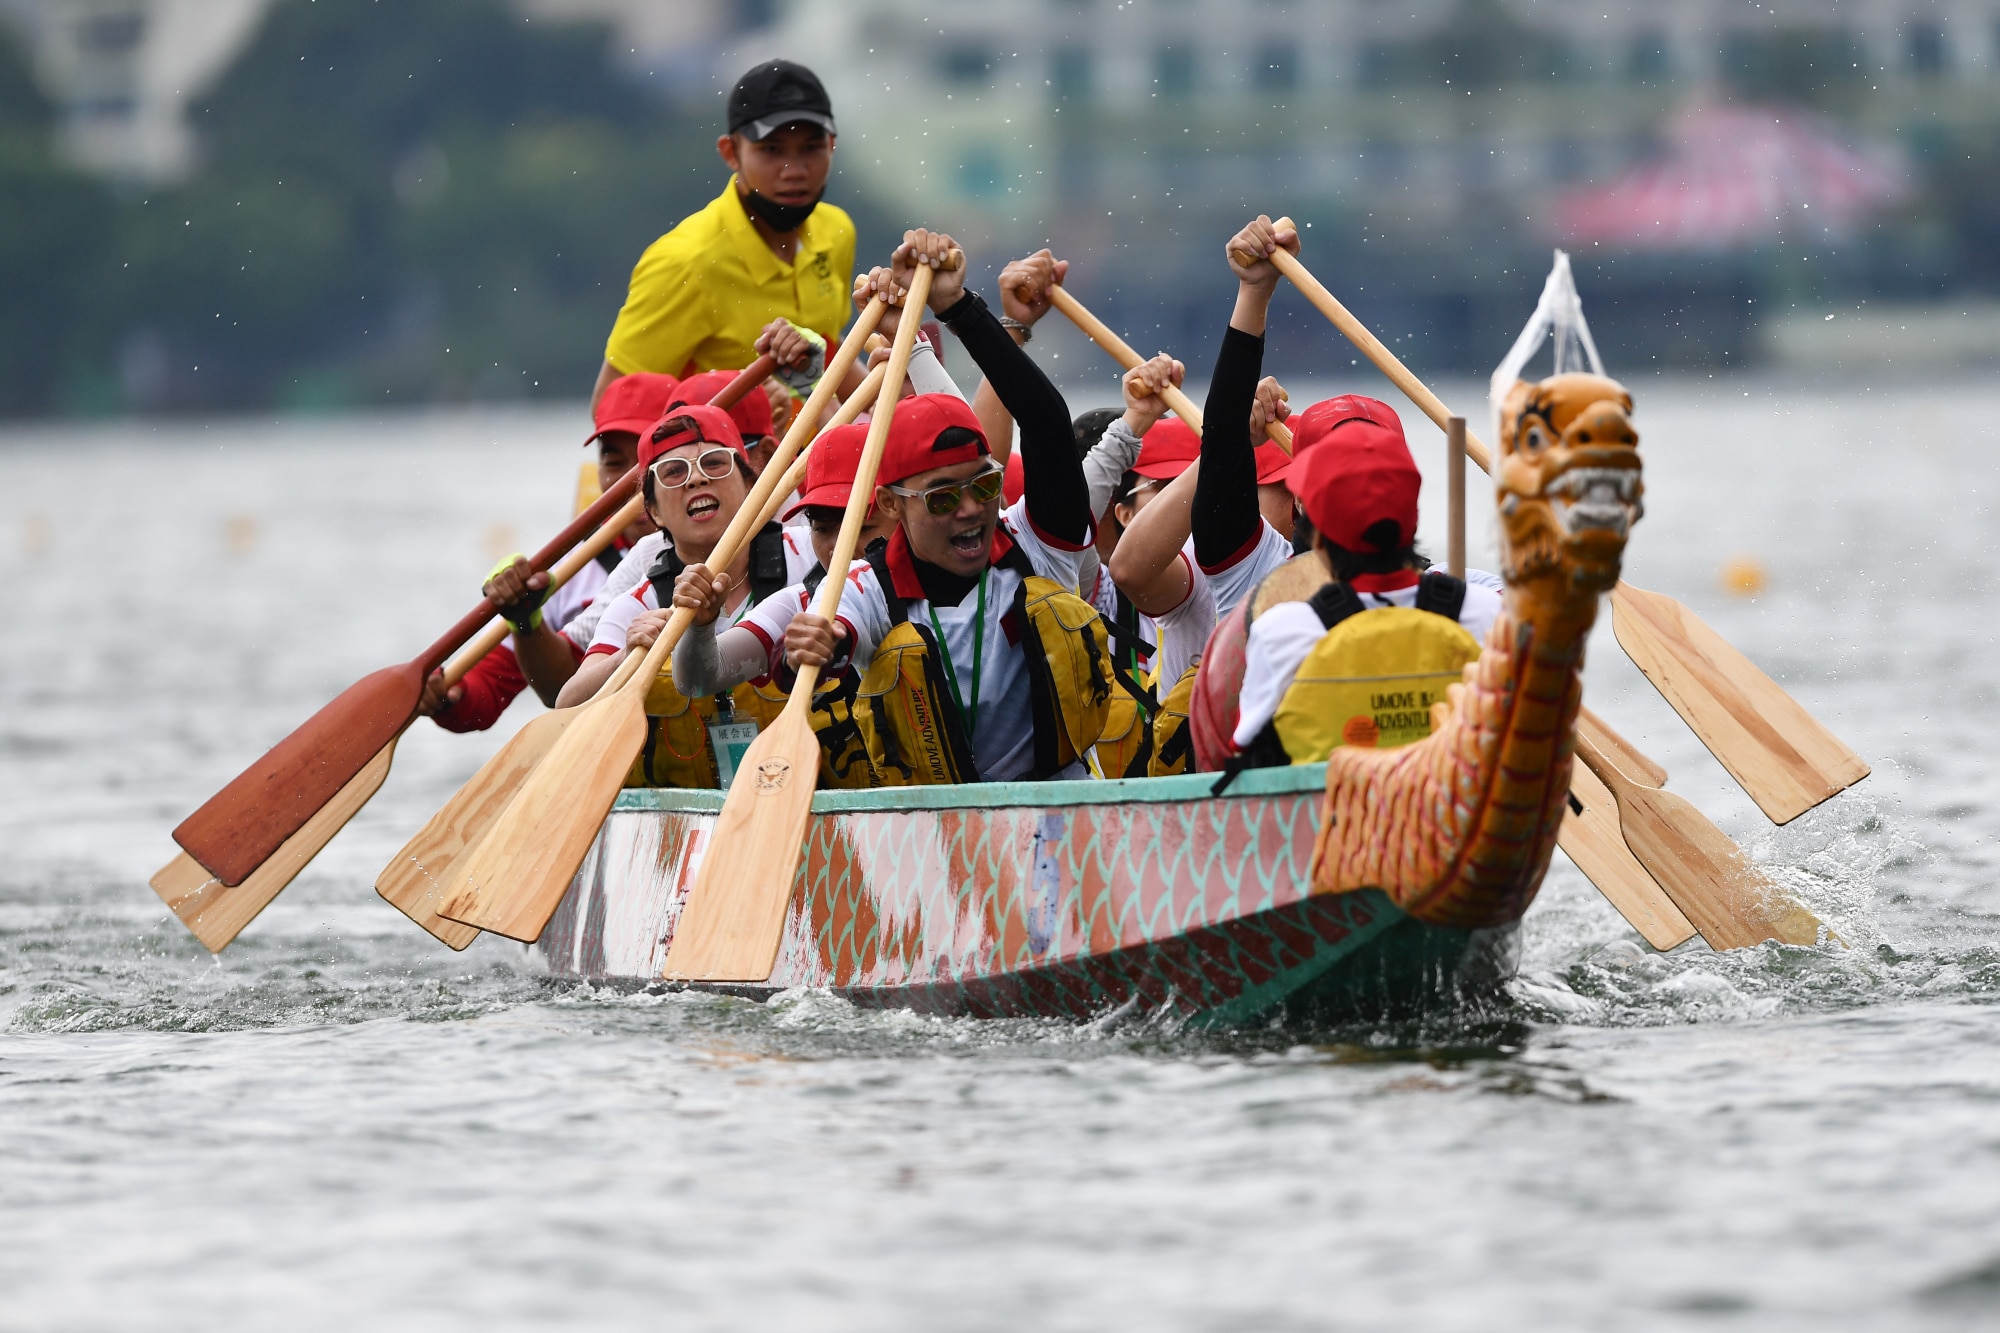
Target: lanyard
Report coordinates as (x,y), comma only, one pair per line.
(978,653)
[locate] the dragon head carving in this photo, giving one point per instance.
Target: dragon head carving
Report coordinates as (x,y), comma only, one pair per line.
(1569,481)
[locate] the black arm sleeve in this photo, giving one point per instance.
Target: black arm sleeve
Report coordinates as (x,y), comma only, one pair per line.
(1225,518)
(1052,475)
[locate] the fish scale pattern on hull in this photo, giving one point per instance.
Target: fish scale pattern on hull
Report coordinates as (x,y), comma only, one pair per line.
(1195,907)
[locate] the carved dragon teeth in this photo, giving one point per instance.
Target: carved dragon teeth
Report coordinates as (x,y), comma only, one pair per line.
(1596,499)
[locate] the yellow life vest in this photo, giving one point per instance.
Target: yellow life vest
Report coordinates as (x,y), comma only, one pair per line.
(1173,738)
(1126,742)
(678,751)
(910,722)
(844,760)
(1124,748)
(1371,679)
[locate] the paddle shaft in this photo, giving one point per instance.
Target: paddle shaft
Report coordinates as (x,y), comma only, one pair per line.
(1371,347)
(1121,351)
(862,493)
(750,377)
(1454,474)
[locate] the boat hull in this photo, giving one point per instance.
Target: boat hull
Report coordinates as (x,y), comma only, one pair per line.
(1054,899)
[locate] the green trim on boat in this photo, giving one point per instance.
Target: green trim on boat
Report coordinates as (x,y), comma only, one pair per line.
(1000,795)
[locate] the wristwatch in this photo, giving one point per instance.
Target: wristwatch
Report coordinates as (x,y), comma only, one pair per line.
(1013,325)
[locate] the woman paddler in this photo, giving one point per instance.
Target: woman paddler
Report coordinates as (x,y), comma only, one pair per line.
(1361,661)
(697,475)
(976,661)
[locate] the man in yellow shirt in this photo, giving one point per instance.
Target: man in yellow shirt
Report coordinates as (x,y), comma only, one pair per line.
(765,249)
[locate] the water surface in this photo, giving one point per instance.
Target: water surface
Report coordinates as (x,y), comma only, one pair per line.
(341,1124)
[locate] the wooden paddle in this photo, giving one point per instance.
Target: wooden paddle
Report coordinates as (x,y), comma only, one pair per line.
(1781,755)
(249,819)
(413,882)
(1613,869)
(1771,745)
(1122,352)
(512,882)
(1591,837)
(734,917)
(216,912)
(1727,898)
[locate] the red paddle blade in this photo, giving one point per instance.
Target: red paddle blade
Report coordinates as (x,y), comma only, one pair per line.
(248,820)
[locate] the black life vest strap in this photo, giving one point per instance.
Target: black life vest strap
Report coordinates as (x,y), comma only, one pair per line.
(1441,594)
(1335,602)
(610,558)
(664,573)
(767,567)
(877,558)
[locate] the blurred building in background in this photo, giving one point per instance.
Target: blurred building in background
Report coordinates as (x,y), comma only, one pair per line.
(121,73)
(1437,148)
(333,202)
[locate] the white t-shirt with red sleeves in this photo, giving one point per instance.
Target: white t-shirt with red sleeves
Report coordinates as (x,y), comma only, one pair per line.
(1184,631)
(631,572)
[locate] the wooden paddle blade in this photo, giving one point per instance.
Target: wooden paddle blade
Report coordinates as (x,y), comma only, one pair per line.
(734,917)
(180,877)
(1591,837)
(1780,754)
(415,881)
(1730,901)
(514,880)
(215,912)
(245,823)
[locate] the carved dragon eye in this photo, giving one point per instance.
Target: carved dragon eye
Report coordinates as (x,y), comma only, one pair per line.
(1534,439)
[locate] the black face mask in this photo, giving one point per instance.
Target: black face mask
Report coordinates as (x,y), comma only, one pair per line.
(781,217)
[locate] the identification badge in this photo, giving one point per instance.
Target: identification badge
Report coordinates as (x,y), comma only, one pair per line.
(731,741)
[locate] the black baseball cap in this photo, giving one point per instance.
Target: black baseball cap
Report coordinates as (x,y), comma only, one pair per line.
(775,94)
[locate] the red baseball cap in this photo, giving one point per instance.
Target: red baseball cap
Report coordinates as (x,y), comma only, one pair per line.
(915,441)
(1316,422)
(831,465)
(751,412)
(1352,470)
(1167,449)
(632,403)
(690,423)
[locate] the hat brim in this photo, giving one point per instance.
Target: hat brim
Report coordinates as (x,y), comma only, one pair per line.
(760,130)
(630,425)
(830,493)
(1165,469)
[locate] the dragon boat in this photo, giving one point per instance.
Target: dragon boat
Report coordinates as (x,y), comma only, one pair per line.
(1379,881)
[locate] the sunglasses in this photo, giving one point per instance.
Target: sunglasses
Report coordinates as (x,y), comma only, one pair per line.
(942,500)
(714,464)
